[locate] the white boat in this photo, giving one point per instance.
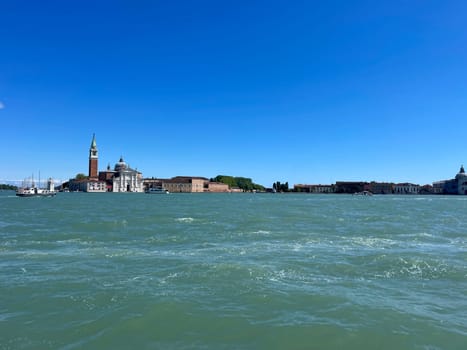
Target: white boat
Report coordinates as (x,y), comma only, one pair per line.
(29,189)
(363,193)
(34,192)
(157,190)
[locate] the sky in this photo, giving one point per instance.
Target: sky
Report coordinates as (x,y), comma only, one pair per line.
(294,91)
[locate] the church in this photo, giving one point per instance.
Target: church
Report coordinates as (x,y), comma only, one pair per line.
(458,185)
(121,179)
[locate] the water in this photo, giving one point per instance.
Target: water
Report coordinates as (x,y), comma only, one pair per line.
(233,271)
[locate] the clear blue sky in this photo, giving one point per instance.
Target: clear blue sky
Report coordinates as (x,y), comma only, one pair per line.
(297,91)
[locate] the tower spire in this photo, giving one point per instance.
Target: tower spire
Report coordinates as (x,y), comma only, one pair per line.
(93,142)
(93,157)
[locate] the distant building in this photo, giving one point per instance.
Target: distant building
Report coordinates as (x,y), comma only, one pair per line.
(236,190)
(447,186)
(126,179)
(315,188)
(107,177)
(379,187)
(187,184)
(86,185)
(406,188)
(350,186)
(179,184)
(121,179)
(461,178)
(93,158)
(152,183)
(217,187)
(92,182)
(184,184)
(438,187)
(458,185)
(426,189)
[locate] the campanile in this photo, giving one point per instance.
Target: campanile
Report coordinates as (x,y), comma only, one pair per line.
(93,158)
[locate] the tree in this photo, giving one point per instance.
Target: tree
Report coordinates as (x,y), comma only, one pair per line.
(8,187)
(244,183)
(280,187)
(80,176)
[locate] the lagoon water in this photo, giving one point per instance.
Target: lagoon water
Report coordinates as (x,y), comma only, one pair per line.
(233,271)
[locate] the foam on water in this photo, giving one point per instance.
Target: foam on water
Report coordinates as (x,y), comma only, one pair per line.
(233,271)
(187,220)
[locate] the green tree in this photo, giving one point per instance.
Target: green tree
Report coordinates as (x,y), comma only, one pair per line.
(244,183)
(8,187)
(280,187)
(228,180)
(80,176)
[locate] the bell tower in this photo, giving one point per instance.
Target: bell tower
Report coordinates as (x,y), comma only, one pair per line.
(93,158)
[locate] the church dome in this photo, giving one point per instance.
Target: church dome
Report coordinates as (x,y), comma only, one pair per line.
(121,165)
(461,173)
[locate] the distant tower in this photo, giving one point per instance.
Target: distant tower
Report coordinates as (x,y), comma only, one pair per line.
(93,158)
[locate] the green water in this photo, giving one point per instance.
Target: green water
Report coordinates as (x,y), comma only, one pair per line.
(233,271)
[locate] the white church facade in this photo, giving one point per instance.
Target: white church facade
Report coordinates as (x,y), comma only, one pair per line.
(121,179)
(126,179)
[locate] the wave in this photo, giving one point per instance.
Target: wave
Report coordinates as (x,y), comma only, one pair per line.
(187,220)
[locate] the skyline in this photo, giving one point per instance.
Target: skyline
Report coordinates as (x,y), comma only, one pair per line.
(302,92)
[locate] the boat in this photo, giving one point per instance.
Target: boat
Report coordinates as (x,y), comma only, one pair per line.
(29,189)
(157,190)
(363,193)
(34,192)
